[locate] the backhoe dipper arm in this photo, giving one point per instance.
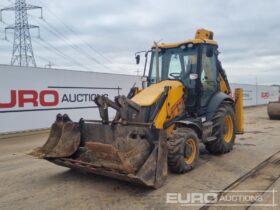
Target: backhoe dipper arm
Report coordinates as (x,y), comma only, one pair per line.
(224,76)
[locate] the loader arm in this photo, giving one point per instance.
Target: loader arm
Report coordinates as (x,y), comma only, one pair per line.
(167,96)
(132,147)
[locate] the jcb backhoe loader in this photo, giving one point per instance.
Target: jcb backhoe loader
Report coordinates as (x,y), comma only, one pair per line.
(185,99)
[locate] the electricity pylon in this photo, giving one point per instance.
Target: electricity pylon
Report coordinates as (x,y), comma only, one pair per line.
(22,48)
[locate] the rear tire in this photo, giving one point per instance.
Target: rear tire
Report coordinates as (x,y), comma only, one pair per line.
(183,150)
(224,129)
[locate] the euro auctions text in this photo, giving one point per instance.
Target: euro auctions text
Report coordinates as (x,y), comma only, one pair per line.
(222,198)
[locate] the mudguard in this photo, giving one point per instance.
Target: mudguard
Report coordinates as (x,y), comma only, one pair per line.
(215,102)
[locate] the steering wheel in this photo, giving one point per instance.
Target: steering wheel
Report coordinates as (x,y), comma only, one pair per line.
(175,75)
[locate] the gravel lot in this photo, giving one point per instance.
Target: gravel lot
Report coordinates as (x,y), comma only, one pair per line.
(29,183)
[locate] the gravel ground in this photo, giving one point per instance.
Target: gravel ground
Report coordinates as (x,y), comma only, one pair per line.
(29,183)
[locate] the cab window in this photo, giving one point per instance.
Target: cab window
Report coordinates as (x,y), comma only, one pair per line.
(208,76)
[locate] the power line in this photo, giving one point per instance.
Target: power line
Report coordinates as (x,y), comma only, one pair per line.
(69,43)
(22,22)
(22,48)
(76,34)
(75,47)
(52,48)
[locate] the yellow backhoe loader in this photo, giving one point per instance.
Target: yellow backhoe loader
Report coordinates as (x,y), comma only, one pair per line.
(185,100)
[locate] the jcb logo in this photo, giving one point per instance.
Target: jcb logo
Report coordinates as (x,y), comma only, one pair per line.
(20,98)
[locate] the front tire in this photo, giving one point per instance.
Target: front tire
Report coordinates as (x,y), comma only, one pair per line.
(183,150)
(224,130)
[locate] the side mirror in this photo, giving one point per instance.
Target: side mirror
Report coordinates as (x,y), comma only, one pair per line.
(209,52)
(137,58)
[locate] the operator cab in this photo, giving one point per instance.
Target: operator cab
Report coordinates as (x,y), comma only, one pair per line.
(195,65)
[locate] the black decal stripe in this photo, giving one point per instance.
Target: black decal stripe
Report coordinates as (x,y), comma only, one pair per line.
(51,109)
(91,88)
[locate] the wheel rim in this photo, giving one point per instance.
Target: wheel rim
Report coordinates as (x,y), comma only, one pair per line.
(228,128)
(190,151)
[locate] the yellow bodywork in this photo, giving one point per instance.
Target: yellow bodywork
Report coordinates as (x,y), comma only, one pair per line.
(150,95)
(202,36)
(223,86)
(239,112)
(173,105)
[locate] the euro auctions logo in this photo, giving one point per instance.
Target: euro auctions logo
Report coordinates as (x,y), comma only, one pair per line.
(191,199)
(52,98)
(223,198)
(20,98)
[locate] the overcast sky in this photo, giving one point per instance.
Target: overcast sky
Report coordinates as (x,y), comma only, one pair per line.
(81,34)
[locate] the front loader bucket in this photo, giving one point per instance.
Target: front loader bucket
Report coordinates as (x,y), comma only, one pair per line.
(273,110)
(131,153)
(111,162)
(63,140)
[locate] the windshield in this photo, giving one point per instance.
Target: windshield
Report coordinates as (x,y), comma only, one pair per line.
(174,63)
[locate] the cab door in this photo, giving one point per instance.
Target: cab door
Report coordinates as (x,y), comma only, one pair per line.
(208,75)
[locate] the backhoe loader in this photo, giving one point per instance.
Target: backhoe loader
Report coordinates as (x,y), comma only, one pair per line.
(185,100)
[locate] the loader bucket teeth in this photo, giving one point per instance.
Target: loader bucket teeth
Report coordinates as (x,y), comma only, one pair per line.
(54,136)
(68,143)
(66,118)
